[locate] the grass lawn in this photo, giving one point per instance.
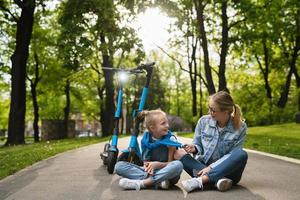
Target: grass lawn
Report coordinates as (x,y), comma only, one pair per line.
(282,139)
(15,158)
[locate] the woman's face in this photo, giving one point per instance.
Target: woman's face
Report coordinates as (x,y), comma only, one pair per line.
(160,127)
(216,113)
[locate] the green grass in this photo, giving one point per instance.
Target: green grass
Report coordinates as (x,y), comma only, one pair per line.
(282,139)
(15,158)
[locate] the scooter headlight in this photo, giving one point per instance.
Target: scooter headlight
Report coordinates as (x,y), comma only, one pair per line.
(123,76)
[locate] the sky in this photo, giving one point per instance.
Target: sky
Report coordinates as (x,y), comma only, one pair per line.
(152,28)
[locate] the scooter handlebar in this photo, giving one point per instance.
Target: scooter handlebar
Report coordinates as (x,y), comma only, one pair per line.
(137,70)
(146,66)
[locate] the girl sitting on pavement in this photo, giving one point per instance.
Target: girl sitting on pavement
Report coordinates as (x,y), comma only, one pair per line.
(160,169)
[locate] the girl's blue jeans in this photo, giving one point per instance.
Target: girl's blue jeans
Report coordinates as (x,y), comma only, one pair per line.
(231,168)
(170,172)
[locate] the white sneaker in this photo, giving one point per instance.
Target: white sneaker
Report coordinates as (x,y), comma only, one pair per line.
(130,184)
(224,184)
(164,184)
(192,184)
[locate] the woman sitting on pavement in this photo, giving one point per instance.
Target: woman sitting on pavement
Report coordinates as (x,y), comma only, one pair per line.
(217,146)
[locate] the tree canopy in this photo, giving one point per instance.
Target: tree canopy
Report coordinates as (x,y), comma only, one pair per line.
(53,52)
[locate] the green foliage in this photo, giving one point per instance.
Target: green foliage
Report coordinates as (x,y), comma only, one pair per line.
(4,110)
(72,39)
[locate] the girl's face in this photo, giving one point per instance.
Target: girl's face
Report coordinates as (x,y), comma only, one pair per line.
(160,127)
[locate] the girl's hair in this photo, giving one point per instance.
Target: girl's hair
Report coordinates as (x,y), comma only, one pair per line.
(226,103)
(150,116)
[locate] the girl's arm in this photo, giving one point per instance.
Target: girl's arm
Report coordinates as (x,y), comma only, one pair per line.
(171,151)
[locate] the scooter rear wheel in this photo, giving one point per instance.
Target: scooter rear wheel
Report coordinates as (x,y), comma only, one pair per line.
(111,161)
(104,154)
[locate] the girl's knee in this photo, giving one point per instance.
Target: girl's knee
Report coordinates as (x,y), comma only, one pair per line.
(119,167)
(177,166)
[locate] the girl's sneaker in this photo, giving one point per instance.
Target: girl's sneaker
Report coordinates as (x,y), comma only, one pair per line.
(192,184)
(130,184)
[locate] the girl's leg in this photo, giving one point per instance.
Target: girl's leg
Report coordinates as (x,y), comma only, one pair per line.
(172,170)
(232,167)
(130,170)
(135,176)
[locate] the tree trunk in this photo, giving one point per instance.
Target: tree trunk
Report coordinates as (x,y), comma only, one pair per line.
(193,79)
(200,19)
(33,85)
(64,133)
(224,49)
(284,94)
(16,125)
(107,118)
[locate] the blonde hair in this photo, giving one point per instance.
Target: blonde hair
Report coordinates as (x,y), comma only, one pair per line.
(226,103)
(150,116)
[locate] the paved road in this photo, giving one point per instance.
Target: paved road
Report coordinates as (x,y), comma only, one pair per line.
(79,174)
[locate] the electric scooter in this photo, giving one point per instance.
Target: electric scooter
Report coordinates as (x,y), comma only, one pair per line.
(110,153)
(133,153)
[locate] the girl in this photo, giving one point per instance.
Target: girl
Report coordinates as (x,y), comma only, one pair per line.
(217,146)
(159,168)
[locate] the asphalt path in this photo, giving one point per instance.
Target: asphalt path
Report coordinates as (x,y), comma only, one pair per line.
(80,174)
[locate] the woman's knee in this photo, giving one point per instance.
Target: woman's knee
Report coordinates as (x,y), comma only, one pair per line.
(241,154)
(179,154)
(244,155)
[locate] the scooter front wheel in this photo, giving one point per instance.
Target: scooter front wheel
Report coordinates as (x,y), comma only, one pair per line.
(111,161)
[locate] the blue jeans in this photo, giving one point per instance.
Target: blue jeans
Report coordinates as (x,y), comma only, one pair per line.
(231,168)
(170,172)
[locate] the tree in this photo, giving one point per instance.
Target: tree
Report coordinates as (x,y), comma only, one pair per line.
(95,38)
(19,58)
(199,7)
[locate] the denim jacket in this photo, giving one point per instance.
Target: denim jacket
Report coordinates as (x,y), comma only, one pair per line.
(207,137)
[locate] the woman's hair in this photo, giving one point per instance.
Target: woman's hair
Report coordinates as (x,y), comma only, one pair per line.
(150,116)
(226,103)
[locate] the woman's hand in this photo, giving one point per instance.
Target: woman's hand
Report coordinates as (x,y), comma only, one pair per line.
(190,148)
(151,166)
(204,171)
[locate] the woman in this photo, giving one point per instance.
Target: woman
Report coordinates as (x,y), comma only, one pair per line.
(217,146)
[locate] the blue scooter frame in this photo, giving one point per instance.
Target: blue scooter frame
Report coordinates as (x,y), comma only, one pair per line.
(110,154)
(133,153)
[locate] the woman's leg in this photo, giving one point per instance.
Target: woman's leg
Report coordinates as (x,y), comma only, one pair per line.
(191,165)
(231,168)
